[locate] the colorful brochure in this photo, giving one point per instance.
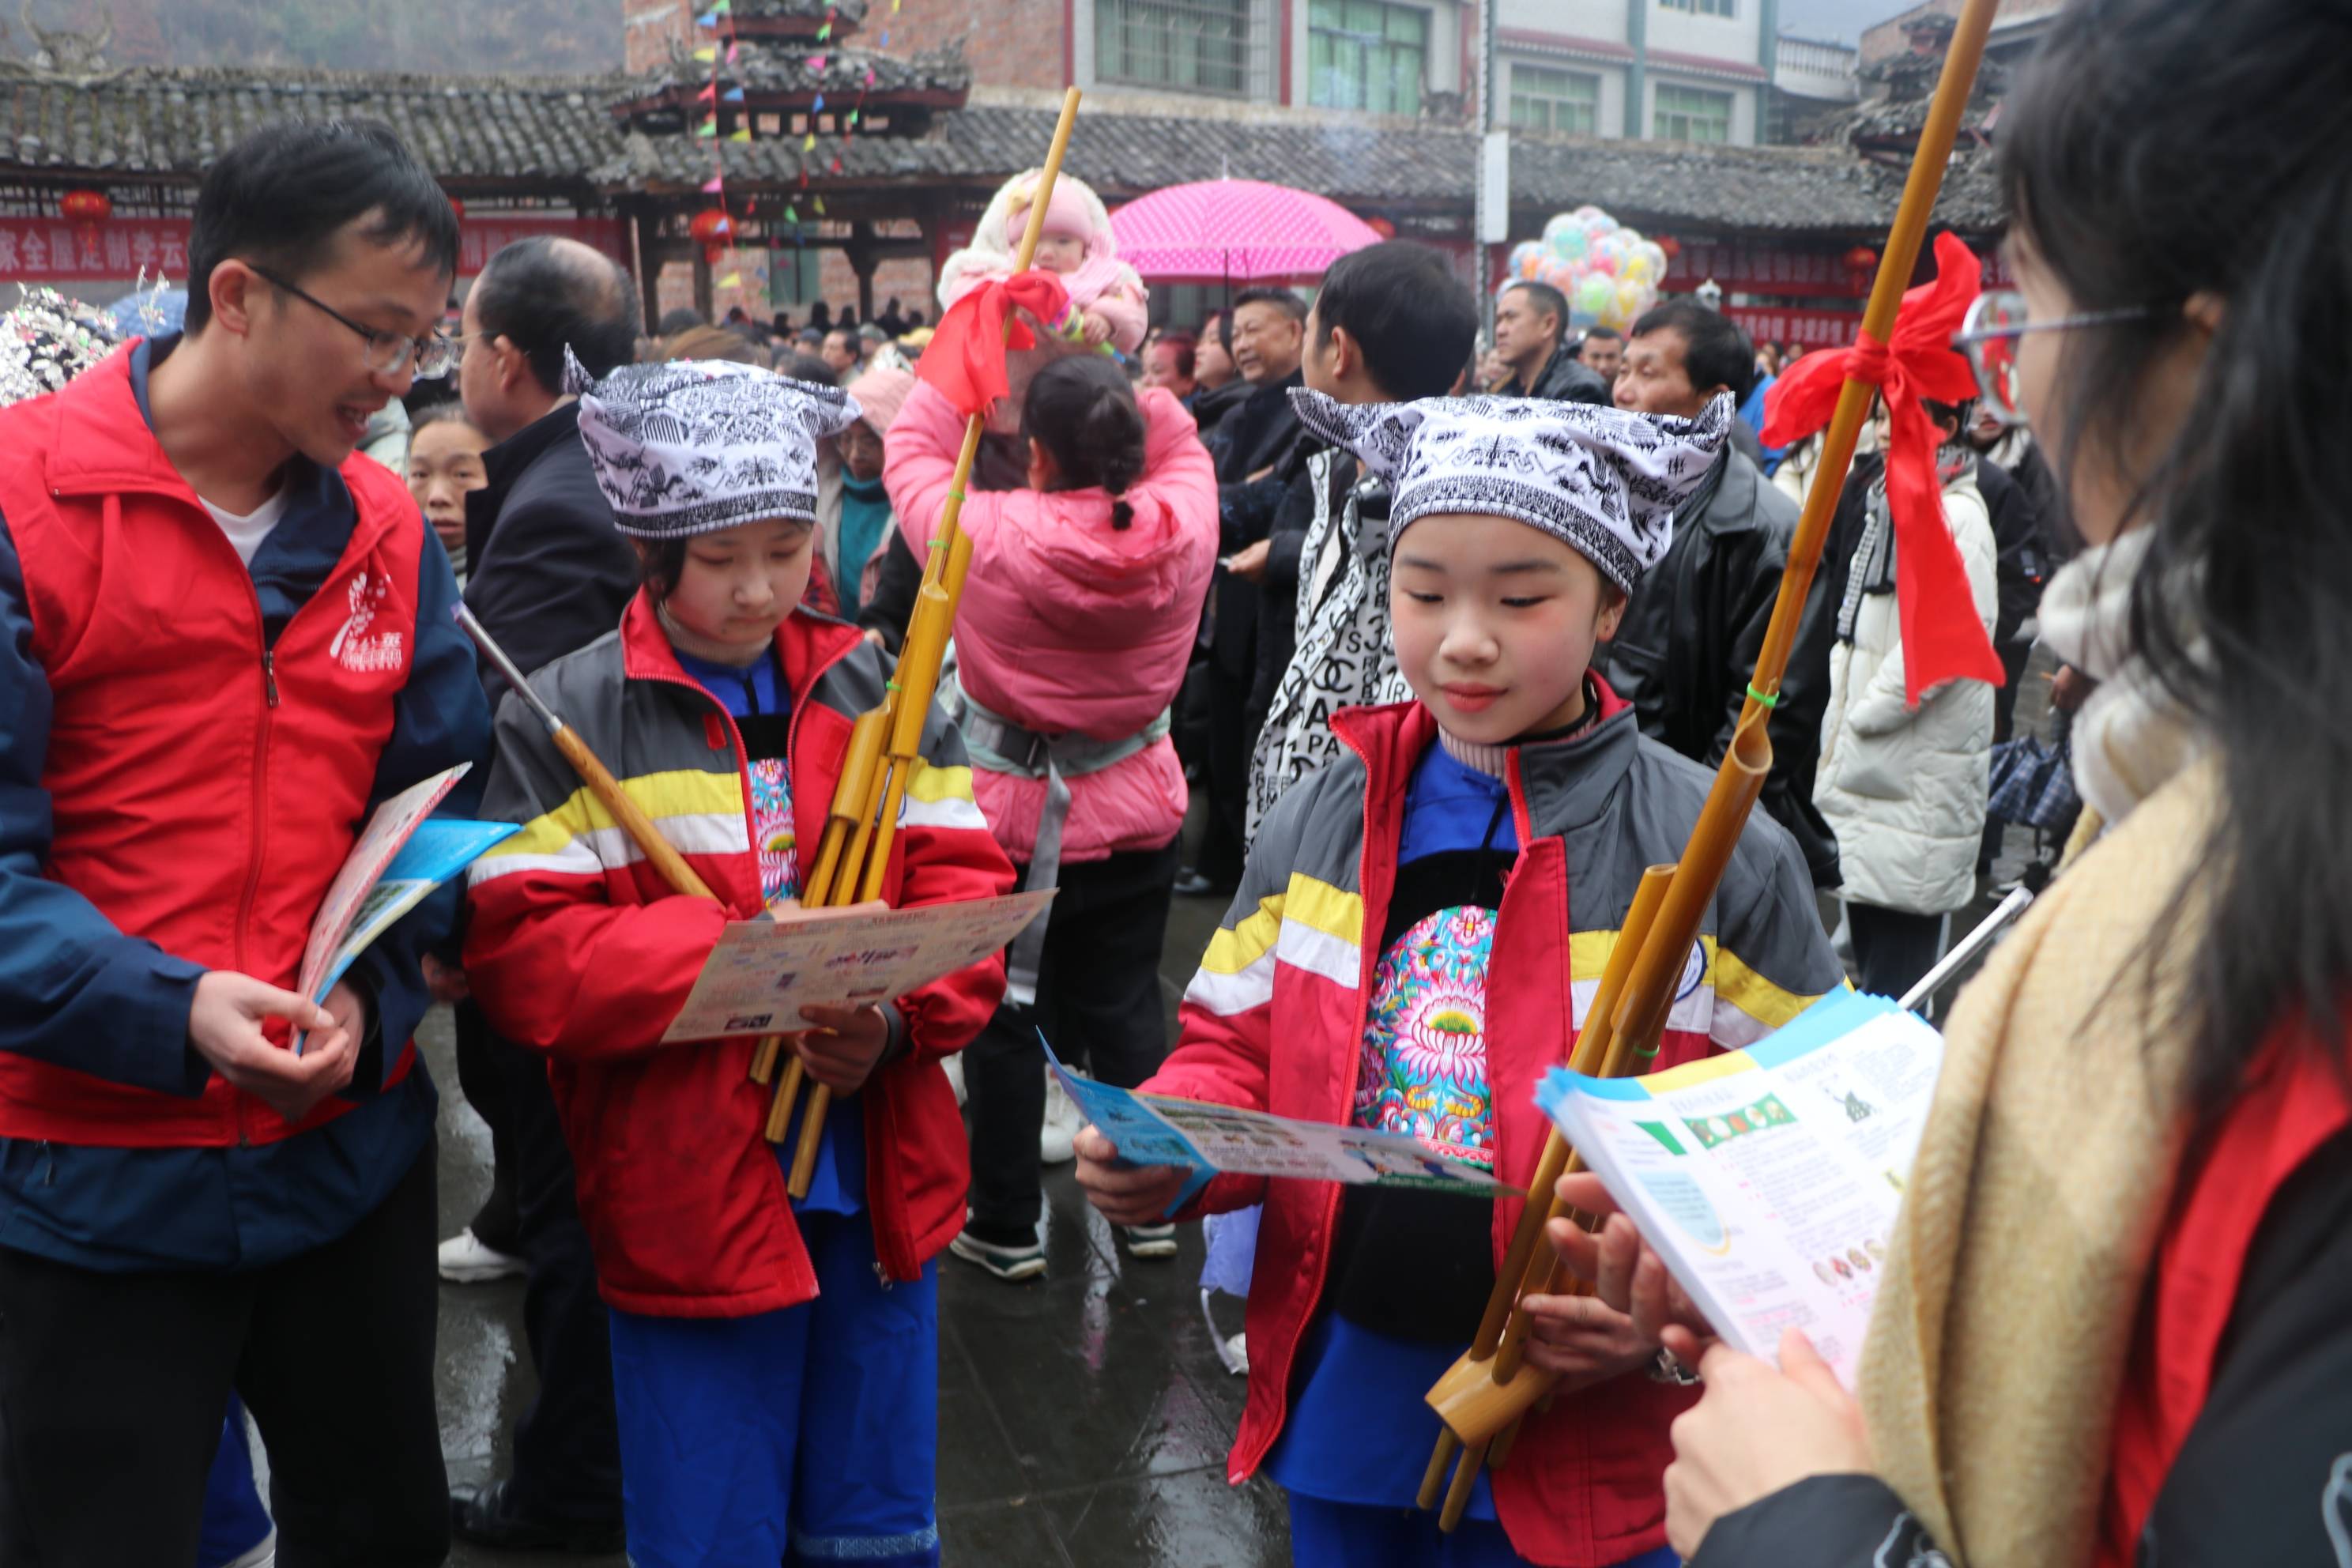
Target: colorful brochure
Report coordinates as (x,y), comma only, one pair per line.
(403,854)
(1767,1179)
(1214,1139)
(763,972)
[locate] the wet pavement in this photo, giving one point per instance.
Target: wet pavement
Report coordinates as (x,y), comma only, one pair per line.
(1084,1417)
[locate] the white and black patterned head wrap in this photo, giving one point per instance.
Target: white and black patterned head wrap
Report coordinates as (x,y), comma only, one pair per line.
(1604,482)
(690,446)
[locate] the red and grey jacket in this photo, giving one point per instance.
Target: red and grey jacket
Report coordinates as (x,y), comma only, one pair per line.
(1274,1021)
(188,748)
(579,949)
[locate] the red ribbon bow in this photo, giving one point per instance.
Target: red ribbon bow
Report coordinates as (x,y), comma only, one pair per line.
(1943,639)
(965,358)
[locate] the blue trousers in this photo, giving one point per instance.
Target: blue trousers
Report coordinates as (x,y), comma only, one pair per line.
(806,1436)
(1345,1535)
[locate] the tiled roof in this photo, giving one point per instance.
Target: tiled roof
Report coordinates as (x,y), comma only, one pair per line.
(1366,166)
(174,122)
(772,73)
(848,13)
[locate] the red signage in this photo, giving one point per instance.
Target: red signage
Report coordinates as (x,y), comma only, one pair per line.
(1766,270)
(59,250)
(1807,329)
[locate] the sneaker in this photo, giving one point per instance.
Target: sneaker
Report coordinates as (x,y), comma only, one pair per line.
(1150,1240)
(1056,1137)
(1013,1263)
(466,1260)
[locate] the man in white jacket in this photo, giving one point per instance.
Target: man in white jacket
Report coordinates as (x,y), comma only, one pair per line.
(1905,789)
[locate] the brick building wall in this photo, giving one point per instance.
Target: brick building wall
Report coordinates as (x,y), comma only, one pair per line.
(650,26)
(1009,43)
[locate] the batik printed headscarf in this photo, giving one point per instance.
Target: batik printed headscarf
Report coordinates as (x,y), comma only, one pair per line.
(691,446)
(1604,482)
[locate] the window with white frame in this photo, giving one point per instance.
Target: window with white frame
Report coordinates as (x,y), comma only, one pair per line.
(1543,99)
(1691,114)
(1701,8)
(1185,46)
(1366,54)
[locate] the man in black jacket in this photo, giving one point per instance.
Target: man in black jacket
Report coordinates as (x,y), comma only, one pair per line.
(1257,448)
(1688,641)
(550,574)
(1531,340)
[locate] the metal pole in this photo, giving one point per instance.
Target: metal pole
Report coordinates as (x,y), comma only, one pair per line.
(1483,221)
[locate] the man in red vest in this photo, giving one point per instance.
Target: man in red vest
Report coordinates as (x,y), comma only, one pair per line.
(224,638)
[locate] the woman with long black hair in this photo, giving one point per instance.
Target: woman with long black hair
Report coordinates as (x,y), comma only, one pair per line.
(2116,1326)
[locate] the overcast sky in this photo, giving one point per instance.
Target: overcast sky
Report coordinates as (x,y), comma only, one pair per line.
(1839,20)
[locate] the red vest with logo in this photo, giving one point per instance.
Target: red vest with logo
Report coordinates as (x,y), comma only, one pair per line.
(205,788)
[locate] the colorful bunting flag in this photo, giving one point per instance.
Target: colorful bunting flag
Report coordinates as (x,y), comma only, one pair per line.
(734,95)
(820,206)
(732,280)
(740,133)
(714,186)
(818,107)
(792,213)
(825,32)
(706,54)
(708,128)
(808,144)
(816,62)
(709,90)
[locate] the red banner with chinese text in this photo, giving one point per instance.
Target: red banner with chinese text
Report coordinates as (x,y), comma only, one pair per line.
(61,251)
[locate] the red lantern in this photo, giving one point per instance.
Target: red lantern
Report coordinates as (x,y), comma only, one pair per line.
(1381,226)
(1670,245)
(459,207)
(1861,258)
(713,230)
(86,207)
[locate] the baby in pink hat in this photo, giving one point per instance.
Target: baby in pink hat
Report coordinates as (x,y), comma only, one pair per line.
(1108,301)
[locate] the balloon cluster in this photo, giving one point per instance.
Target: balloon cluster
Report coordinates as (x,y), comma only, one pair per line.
(1608,272)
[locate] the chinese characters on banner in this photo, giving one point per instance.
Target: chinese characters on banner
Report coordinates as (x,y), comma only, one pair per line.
(1766,270)
(57,250)
(1806,328)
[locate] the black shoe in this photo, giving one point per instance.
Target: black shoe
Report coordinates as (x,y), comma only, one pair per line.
(482,1515)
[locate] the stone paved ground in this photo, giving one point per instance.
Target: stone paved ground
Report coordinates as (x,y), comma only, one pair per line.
(1084,1418)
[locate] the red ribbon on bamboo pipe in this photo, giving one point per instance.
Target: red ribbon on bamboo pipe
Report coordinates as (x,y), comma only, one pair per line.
(1942,637)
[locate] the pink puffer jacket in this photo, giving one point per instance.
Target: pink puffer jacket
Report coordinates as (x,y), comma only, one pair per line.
(1068,624)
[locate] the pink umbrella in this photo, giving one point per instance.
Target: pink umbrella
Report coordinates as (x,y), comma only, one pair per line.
(1242,231)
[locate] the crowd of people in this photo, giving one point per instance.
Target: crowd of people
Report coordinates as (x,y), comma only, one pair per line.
(1443,632)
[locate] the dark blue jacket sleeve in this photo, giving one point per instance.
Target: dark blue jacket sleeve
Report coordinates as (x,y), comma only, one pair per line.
(439,719)
(74,990)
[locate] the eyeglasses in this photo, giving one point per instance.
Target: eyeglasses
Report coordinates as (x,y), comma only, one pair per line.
(430,356)
(1988,335)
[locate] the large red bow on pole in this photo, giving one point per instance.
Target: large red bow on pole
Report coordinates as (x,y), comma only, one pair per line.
(965,358)
(1942,637)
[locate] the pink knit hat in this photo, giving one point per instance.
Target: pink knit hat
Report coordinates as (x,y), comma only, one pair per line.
(880,394)
(1065,214)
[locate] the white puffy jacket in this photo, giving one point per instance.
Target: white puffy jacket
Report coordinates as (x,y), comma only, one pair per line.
(1905,791)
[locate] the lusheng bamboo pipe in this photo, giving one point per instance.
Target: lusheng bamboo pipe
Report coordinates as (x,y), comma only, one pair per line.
(885,744)
(1475,1408)
(592,773)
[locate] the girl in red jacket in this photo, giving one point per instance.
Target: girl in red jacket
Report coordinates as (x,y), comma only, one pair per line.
(774,1362)
(1416,930)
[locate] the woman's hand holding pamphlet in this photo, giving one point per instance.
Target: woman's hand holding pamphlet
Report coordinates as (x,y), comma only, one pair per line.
(1767,1179)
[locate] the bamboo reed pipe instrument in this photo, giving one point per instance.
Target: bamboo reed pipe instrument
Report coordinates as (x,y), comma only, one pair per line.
(1483,1396)
(592,773)
(862,823)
